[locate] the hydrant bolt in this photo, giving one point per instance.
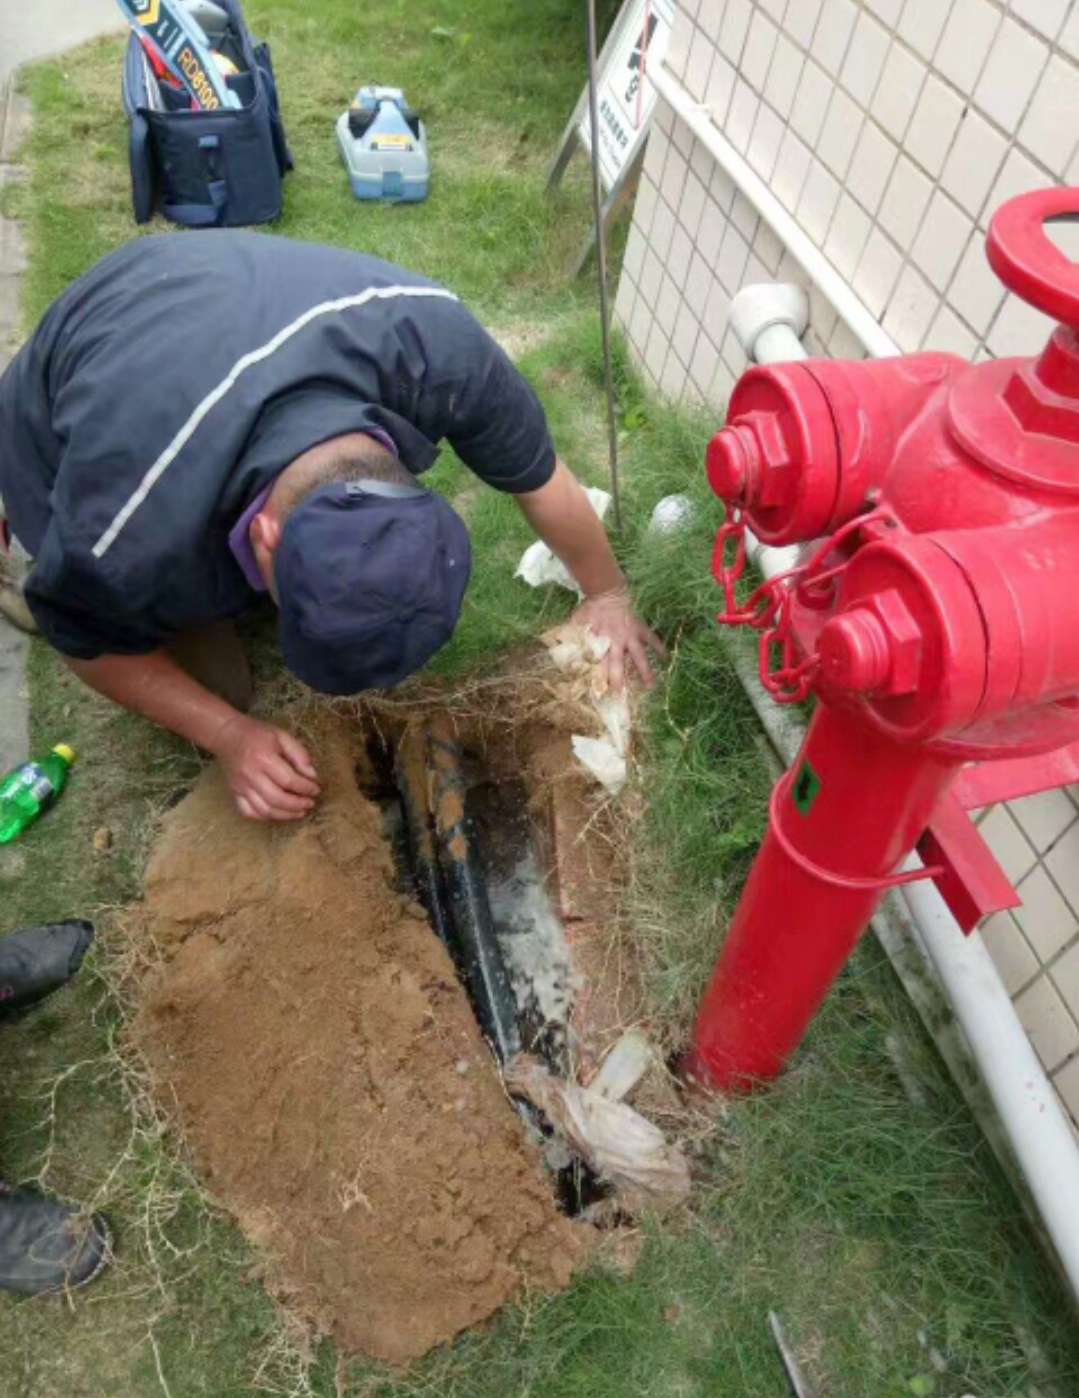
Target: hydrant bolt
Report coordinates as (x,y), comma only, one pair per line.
(729,463)
(854,652)
(874,648)
(749,461)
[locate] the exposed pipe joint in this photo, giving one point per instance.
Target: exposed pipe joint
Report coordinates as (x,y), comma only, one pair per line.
(769,319)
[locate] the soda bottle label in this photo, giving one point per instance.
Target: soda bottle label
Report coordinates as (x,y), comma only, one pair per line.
(31,778)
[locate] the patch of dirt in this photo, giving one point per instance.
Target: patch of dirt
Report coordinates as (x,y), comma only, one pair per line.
(308,1031)
(522,336)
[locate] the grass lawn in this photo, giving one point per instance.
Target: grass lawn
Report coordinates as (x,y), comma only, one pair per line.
(880,1230)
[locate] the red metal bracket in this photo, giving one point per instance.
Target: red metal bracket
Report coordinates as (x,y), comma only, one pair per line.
(970,880)
(972,883)
(986,783)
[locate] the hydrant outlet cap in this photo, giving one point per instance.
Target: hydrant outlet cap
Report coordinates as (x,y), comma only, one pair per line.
(729,465)
(854,652)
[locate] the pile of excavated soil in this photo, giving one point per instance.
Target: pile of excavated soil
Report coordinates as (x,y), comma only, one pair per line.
(310,1035)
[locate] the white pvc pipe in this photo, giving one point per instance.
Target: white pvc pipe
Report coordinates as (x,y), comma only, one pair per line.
(851,308)
(769,319)
(1037,1129)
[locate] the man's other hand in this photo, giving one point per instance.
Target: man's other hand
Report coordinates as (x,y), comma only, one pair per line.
(611,615)
(269,772)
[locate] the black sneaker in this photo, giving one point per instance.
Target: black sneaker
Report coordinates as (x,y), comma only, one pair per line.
(47,1246)
(35,961)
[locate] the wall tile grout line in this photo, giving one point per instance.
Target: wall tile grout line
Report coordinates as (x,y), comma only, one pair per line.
(868,117)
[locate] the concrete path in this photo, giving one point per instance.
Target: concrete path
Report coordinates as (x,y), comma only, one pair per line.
(13,644)
(29,29)
(32,29)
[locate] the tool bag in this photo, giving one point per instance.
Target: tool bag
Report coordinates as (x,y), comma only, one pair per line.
(208,169)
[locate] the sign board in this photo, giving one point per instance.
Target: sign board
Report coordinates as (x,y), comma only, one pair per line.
(625,99)
(625,96)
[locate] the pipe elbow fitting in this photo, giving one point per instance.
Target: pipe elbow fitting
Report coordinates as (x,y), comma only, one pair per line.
(769,319)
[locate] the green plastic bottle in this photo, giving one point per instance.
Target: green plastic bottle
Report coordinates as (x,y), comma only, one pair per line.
(31,789)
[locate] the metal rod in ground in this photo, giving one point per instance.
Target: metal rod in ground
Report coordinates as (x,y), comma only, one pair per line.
(411,776)
(601,265)
(475,940)
(799,1387)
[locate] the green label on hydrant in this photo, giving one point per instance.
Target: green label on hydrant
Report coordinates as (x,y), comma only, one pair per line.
(806,788)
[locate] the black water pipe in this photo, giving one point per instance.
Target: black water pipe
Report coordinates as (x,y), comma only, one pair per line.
(412,777)
(475,942)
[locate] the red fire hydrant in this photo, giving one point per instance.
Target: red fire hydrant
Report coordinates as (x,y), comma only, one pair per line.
(936,620)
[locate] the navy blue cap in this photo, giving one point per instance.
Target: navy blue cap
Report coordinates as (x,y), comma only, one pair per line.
(370,579)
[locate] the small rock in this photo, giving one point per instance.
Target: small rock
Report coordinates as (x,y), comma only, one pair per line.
(463,1067)
(102,840)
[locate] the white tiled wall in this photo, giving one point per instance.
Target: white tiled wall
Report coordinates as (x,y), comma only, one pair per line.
(890,130)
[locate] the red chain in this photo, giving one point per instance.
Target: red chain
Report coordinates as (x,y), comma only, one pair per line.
(768,609)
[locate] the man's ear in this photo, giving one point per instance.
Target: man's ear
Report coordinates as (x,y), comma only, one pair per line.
(266,531)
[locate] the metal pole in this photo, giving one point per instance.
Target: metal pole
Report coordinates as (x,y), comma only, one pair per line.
(601,265)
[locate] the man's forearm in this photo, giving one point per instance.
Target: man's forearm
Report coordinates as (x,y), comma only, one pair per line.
(562,515)
(156,687)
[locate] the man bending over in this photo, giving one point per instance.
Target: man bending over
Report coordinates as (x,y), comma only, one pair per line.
(204,417)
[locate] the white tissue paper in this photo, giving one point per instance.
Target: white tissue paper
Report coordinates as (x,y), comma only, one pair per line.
(538,564)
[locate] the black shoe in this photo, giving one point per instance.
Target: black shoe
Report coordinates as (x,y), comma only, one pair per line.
(35,961)
(46,1245)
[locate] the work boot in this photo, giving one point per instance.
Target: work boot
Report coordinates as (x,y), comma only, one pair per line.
(46,1245)
(12,602)
(35,961)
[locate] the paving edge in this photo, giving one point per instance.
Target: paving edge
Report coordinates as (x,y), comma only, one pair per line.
(15,116)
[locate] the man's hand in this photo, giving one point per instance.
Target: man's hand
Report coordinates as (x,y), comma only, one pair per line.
(611,615)
(268,771)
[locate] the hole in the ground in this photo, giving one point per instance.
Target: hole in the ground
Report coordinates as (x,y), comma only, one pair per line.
(467,849)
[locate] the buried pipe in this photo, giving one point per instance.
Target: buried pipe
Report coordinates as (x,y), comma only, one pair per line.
(467,905)
(1038,1133)
(410,773)
(449,880)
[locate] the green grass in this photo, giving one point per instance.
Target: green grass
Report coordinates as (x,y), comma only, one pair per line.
(881,1231)
(495,93)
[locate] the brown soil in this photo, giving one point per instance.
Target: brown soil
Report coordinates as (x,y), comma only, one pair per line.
(309,1033)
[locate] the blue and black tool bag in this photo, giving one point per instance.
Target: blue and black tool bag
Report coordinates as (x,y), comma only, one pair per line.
(208,169)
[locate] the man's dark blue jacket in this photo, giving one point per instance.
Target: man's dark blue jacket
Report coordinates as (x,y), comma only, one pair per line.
(170,384)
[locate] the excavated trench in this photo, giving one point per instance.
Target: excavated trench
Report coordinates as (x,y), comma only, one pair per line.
(326,1006)
(468,850)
